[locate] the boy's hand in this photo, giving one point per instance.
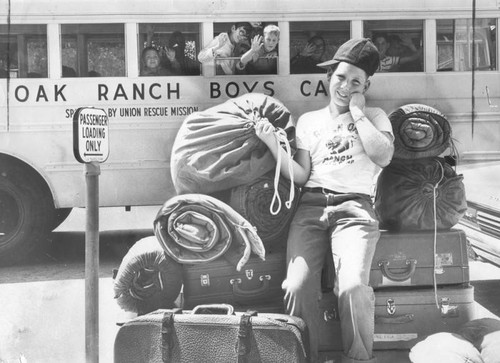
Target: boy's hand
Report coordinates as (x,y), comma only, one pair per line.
(357,102)
(257,43)
(223,39)
(265,132)
(308,50)
(170,52)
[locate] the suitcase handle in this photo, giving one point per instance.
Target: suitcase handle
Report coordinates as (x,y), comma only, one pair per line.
(386,271)
(218,309)
(262,289)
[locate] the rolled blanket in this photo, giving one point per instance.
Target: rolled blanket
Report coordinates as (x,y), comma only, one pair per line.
(217,149)
(407,191)
(420,131)
(254,201)
(147,279)
(196,228)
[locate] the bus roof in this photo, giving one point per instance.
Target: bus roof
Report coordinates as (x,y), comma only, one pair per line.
(197,10)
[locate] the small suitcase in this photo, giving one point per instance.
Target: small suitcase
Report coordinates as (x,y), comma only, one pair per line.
(403,316)
(217,281)
(407,259)
(205,335)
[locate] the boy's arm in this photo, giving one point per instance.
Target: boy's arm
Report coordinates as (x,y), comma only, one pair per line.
(301,164)
(209,53)
(379,145)
(253,53)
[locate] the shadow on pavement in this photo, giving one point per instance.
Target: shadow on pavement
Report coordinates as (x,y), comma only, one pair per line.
(64,257)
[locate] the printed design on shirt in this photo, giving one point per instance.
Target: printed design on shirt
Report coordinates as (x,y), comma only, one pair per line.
(340,145)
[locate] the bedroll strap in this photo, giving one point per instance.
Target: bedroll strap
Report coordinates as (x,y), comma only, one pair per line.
(244,336)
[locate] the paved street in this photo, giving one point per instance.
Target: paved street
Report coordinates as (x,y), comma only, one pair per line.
(43,301)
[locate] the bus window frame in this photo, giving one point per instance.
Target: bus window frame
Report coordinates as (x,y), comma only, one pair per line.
(84,33)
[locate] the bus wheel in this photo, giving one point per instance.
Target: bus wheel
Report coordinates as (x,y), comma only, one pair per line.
(60,216)
(26,214)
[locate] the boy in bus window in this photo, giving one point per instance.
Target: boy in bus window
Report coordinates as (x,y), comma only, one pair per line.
(391,63)
(223,46)
(263,54)
(340,150)
(307,59)
(176,60)
(150,62)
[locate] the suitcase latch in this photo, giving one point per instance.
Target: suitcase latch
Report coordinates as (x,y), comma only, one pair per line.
(205,280)
(447,310)
(391,306)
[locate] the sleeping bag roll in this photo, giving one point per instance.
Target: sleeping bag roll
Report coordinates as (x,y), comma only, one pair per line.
(419,131)
(217,149)
(254,201)
(147,279)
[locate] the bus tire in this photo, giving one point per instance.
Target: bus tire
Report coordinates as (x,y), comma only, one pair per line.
(26,213)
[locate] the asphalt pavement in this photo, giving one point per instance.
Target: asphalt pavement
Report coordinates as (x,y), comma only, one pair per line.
(42,301)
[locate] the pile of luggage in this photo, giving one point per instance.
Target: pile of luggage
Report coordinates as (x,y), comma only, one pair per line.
(221,241)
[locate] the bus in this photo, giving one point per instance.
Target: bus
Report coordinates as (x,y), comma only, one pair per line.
(59,55)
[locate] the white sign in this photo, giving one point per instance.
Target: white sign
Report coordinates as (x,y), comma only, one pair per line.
(90,135)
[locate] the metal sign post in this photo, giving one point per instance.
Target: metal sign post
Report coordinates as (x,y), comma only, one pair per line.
(91,147)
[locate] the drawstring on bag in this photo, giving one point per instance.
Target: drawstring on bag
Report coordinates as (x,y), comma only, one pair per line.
(436,267)
(281,137)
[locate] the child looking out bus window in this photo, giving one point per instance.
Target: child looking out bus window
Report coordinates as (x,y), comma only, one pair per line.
(150,63)
(392,63)
(262,58)
(223,46)
(307,59)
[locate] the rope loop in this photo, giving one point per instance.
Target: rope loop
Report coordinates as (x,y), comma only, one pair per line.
(281,138)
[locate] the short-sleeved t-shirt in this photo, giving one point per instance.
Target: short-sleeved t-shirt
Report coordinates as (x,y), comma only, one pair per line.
(338,159)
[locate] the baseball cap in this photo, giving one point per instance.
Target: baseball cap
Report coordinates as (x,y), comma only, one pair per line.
(361,53)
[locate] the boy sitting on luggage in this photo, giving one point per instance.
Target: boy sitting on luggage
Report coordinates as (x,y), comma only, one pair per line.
(340,150)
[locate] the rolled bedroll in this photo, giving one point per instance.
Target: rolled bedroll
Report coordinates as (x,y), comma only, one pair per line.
(255,201)
(147,278)
(420,131)
(198,228)
(217,149)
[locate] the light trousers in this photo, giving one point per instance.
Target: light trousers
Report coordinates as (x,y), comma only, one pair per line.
(344,224)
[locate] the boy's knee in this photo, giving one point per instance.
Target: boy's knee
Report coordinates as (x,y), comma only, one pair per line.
(298,287)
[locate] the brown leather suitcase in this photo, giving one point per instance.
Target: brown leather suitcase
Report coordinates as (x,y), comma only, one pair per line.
(407,259)
(403,316)
(212,334)
(258,283)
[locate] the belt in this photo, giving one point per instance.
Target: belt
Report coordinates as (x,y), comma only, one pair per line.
(319,190)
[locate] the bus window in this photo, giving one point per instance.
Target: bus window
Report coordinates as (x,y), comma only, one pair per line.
(93,50)
(23,51)
(400,43)
(454,38)
(176,46)
(233,56)
(315,42)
